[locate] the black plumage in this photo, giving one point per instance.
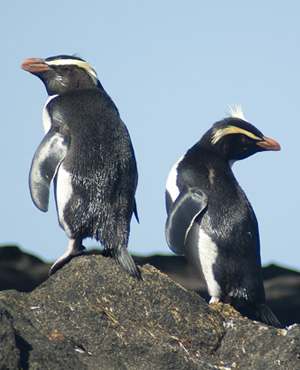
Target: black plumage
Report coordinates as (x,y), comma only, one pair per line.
(88,153)
(211,221)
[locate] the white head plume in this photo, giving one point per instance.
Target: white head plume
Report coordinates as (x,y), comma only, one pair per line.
(236,111)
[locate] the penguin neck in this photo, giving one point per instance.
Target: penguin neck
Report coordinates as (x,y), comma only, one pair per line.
(218,150)
(231,162)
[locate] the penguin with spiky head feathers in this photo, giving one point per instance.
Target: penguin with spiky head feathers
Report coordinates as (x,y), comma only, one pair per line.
(211,221)
(88,153)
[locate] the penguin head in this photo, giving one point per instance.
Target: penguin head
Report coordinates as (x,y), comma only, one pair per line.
(63,73)
(235,138)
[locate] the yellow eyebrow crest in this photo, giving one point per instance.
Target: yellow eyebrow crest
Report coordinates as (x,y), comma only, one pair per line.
(218,134)
(75,62)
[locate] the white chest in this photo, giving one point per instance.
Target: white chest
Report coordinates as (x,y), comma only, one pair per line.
(46,117)
(171,185)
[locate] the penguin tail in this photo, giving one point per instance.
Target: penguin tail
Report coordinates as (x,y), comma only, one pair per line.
(260,312)
(124,259)
(265,315)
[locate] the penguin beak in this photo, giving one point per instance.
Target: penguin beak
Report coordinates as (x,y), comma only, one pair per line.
(268,144)
(34,65)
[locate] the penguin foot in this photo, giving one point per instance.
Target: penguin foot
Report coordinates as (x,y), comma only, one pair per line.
(214,300)
(75,248)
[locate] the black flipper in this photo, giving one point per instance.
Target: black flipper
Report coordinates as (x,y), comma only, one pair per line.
(46,160)
(182,214)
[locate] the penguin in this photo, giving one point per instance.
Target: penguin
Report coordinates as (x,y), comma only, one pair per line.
(211,221)
(88,154)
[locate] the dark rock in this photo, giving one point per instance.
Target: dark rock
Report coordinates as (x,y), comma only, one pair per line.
(21,271)
(92,315)
(282,285)
(24,272)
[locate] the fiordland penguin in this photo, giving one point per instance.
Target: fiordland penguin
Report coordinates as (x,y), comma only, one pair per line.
(211,221)
(88,153)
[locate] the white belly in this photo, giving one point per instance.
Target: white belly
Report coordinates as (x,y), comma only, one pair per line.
(202,252)
(64,192)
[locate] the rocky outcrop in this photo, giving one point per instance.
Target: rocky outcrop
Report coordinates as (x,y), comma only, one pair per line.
(92,315)
(24,272)
(21,271)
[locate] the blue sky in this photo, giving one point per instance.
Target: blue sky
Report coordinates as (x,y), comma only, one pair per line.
(172,68)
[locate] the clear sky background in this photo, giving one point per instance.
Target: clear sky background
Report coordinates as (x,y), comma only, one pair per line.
(172,68)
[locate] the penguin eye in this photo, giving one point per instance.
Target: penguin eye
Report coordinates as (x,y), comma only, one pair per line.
(243,139)
(65,70)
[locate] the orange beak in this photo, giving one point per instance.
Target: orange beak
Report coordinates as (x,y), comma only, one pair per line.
(34,65)
(268,144)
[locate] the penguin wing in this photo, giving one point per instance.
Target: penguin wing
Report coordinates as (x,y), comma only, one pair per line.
(189,204)
(46,160)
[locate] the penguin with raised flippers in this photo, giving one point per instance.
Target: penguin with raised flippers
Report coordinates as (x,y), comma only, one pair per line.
(88,153)
(211,221)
